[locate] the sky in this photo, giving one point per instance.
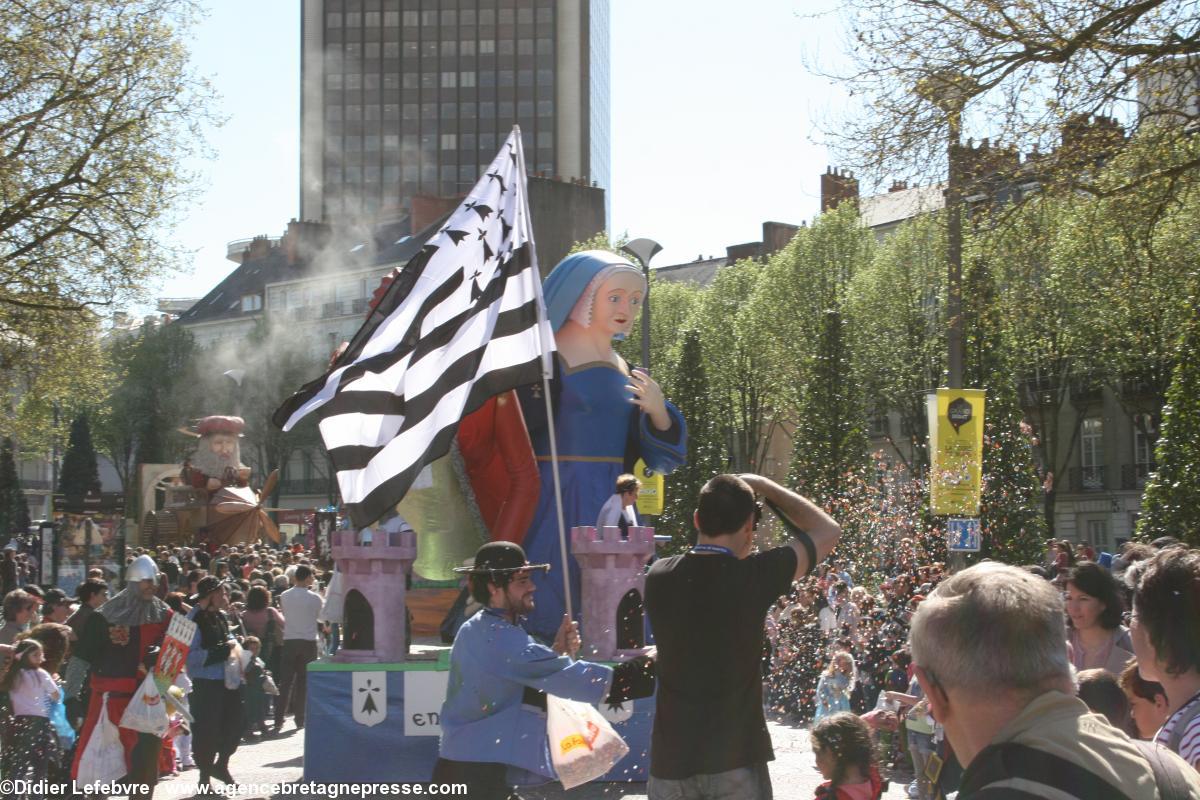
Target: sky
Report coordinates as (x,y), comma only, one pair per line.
(714,126)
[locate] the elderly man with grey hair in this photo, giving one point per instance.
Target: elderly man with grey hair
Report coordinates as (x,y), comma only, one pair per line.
(989,648)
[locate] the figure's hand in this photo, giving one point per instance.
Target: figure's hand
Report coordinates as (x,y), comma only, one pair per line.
(648,396)
(213,484)
(651,653)
(566,641)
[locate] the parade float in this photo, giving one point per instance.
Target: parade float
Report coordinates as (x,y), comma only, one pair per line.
(208,500)
(496,483)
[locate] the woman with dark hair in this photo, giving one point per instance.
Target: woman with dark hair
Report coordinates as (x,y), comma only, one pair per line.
(262,620)
(1097,638)
(845,759)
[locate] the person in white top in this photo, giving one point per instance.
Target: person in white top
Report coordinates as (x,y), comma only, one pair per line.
(32,743)
(301,607)
(618,510)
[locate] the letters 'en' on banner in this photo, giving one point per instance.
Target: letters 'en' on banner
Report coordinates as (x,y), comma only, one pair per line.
(956,439)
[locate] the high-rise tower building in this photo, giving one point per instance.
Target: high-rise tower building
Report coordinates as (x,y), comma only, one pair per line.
(412,97)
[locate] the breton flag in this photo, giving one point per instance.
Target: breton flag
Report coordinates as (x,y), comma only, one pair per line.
(461,322)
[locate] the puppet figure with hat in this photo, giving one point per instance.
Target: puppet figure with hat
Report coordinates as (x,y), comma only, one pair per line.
(234,513)
(217,462)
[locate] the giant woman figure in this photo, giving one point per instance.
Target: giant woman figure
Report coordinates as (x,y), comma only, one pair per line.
(606,416)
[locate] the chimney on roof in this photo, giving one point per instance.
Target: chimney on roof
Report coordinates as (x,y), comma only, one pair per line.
(303,239)
(898,186)
(837,185)
(260,247)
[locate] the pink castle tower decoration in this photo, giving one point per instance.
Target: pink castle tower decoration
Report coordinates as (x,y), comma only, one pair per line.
(374,565)
(614,585)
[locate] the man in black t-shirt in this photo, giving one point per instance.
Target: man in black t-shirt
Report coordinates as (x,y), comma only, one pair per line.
(707,609)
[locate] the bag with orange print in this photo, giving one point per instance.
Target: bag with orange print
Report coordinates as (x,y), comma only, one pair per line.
(583,745)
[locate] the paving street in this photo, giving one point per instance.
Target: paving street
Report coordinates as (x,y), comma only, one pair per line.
(280,760)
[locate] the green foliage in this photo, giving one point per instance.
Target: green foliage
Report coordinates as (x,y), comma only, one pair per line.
(740,375)
(706,445)
(79,474)
(1012,525)
(895,307)
(14,511)
(155,396)
(1171,503)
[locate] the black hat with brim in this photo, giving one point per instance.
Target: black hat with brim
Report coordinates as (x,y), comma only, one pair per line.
(206,586)
(499,558)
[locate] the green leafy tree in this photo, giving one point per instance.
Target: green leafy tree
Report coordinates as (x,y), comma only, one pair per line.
(1013,528)
(690,393)
(79,474)
(1171,503)
(740,375)
(14,511)
(829,442)
(895,309)
(155,395)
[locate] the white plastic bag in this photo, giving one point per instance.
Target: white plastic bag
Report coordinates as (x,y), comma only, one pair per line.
(583,746)
(147,711)
(234,669)
(103,759)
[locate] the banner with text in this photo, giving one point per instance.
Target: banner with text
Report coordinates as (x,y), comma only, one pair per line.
(956,448)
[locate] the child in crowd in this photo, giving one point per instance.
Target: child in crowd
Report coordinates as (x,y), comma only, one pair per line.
(31,691)
(1148,709)
(254,696)
(835,686)
(845,758)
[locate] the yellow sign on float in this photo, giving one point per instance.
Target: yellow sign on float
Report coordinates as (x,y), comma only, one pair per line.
(956,470)
(651,497)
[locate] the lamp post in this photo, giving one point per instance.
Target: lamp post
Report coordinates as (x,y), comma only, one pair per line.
(644,250)
(950,92)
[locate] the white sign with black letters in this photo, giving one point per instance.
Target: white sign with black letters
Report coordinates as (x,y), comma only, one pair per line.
(424,693)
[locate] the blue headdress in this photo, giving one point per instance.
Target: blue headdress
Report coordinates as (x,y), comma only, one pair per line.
(575,278)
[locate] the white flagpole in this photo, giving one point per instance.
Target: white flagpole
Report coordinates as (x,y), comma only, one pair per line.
(547,373)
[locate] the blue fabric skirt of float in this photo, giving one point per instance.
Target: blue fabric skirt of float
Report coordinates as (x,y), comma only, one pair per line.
(592,425)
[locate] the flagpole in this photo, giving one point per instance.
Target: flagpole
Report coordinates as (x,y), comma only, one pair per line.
(547,373)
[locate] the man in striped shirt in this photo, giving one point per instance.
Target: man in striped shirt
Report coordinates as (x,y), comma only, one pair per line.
(1165,629)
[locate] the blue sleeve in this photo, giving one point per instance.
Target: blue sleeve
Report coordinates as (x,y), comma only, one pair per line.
(663,451)
(196,655)
(538,667)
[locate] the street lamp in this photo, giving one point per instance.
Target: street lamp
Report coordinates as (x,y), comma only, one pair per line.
(950,92)
(644,250)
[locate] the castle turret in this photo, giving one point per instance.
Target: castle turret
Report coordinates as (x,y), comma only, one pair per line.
(374,567)
(614,584)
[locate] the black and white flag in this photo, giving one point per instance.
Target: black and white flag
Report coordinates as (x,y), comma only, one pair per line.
(461,322)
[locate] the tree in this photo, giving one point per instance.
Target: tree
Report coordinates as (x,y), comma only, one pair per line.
(1013,529)
(156,393)
(79,474)
(829,442)
(690,393)
(99,105)
(1028,75)
(1171,503)
(740,376)
(895,310)
(14,511)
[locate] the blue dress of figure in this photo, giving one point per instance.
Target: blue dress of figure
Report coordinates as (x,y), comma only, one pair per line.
(600,435)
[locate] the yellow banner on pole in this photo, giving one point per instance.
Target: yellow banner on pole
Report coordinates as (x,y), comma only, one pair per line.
(650,497)
(956,436)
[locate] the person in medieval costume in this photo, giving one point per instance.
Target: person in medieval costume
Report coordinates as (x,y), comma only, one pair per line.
(217,461)
(120,643)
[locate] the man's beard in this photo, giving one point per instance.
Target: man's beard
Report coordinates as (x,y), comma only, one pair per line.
(212,464)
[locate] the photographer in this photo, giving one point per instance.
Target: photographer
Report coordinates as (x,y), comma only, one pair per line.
(707,608)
